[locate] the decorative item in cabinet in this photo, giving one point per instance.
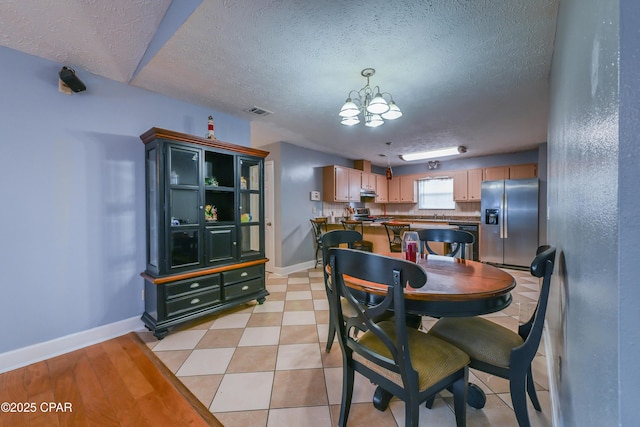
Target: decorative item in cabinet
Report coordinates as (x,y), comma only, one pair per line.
(205,217)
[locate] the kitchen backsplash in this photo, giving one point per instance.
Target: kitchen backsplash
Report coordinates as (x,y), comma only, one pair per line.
(337,210)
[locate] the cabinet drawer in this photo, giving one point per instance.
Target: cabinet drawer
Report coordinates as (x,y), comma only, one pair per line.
(193,301)
(243,288)
(176,289)
(242,274)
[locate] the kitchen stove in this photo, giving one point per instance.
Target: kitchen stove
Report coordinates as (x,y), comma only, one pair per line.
(364,214)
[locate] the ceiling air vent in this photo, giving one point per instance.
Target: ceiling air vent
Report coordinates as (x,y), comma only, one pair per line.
(258,111)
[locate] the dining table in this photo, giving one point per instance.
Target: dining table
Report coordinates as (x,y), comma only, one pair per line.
(454,287)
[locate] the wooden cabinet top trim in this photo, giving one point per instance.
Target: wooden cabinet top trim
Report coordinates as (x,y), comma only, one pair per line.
(156,133)
(198,273)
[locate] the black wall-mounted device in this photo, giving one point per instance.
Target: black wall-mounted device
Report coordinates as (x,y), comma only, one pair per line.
(68,76)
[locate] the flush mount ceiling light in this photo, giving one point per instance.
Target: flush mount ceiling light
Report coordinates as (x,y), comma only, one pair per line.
(371,103)
(434,153)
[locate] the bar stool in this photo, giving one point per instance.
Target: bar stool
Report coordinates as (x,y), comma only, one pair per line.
(319,228)
(357,225)
(394,233)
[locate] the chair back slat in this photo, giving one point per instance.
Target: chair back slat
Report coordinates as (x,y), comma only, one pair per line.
(458,239)
(392,272)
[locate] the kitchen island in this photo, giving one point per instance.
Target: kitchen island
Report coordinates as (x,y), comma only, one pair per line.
(376,233)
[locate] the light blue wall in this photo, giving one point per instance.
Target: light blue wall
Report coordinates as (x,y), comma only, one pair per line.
(72,217)
(298,171)
(594,196)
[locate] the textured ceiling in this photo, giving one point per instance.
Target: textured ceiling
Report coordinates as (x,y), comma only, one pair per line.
(464,72)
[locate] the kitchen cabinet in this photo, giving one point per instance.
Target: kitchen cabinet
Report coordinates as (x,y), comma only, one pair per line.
(402,189)
(341,184)
(204,228)
(382,189)
(523,171)
(369,181)
(510,172)
(467,185)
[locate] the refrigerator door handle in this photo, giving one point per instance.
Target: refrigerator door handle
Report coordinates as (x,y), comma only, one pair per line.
(505,216)
(501,216)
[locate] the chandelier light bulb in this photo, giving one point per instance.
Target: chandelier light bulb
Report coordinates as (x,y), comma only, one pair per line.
(350,121)
(349,109)
(378,105)
(373,121)
(393,113)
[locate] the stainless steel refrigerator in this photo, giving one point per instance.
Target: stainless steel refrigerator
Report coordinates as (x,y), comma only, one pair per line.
(509,221)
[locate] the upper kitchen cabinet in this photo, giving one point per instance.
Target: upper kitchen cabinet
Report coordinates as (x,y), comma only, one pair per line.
(467,185)
(340,184)
(205,227)
(369,181)
(511,172)
(382,189)
(402,189)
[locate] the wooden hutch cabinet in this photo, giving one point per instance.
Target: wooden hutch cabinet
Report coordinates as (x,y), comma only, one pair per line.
(205,228)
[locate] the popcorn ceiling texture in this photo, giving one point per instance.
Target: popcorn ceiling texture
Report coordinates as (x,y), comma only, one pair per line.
(471,73)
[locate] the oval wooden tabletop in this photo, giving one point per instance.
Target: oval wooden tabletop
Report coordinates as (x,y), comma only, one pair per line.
(450,279)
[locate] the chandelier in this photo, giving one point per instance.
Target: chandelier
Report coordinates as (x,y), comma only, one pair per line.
(371,103)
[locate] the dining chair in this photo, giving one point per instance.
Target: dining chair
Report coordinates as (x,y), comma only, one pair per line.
(394,234)
(405,362)
(332,239)
(319,227)
(358,225)
(455,240)
(500,351)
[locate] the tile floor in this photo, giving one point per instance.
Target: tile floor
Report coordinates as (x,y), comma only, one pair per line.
(266,365)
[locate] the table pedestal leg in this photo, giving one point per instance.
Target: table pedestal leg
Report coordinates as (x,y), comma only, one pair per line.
(381,399)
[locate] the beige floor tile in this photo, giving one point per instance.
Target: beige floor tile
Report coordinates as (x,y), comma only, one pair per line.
(253,359)
(264,335)
(220,338)
(243,392)
(181,340)
(322,317)
(235,320)
(297,280)
(206,362)
(297,334)
(321,304)
(204,387)
(243,418)
(269,307)
(314,416)
(298,318)
(265,319)
(439,415)
(276,296)
(277,288)
(298,287)
(298,295)
(299,305)
(302,387)
(362,388)
(173,359)
(298,356)
(363,414)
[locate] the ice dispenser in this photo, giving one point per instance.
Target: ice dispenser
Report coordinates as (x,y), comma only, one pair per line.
(491,216)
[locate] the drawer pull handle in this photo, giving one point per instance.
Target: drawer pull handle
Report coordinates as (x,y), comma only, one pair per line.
(244,274)
(245,287)
(195,301)
(195,285)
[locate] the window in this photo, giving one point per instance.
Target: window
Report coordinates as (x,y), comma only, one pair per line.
(436,193)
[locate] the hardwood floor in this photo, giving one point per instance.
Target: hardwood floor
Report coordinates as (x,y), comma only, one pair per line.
(119,382)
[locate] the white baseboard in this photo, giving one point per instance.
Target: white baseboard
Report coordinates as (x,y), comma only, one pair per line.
(284,271)
(553,386)
(35,353)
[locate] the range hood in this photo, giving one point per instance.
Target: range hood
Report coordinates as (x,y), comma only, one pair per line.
(367,194)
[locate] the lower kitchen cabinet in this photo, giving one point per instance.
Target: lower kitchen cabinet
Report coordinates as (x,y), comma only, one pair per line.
(173,300)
